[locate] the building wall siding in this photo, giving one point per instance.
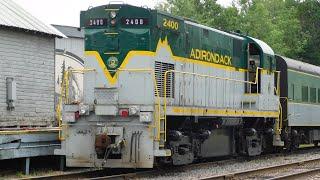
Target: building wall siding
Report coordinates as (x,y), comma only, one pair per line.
(29,59)
(74,45)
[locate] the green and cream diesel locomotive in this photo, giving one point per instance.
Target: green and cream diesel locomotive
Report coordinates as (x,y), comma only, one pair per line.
(163,89)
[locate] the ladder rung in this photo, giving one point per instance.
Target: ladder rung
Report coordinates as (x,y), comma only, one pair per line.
(162,131)
(161,145)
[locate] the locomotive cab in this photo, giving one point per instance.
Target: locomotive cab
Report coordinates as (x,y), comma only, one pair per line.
(259,57)
(254,58)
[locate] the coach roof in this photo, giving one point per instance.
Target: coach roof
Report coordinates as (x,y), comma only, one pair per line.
(301,66)
(13,16)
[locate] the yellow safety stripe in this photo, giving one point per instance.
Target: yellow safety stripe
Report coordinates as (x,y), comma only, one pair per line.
(176,110)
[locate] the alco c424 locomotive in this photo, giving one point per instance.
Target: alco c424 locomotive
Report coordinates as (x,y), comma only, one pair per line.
(164,89)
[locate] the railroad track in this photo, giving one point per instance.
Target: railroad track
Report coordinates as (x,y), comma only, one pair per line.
(293,170)
(147,173)
(96,174)
(72,175)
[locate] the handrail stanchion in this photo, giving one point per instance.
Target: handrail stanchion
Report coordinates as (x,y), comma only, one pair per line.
(64,96)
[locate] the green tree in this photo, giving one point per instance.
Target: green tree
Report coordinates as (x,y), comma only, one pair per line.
(276,23)
(290,27)
(205,12)
(309,16)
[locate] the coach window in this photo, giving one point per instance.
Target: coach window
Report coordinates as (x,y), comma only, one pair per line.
(313,95)
(291,92)
(318,95)
(305,93)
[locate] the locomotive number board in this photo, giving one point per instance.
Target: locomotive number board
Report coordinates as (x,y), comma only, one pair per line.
(170,24)
(135,21)
(97,22)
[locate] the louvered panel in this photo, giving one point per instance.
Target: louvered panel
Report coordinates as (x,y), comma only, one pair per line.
(160,70)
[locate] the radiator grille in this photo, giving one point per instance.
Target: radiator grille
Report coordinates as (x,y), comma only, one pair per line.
(160,70)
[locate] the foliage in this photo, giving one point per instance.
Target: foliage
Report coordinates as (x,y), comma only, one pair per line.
(309,17)
(290,27)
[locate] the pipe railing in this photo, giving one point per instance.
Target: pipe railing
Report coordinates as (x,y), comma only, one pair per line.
(64,96)
(255,82)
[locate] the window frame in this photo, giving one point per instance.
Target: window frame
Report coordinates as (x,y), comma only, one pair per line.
(305,93)
(313,95)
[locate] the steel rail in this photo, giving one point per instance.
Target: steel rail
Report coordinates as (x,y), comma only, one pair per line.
(126,176)
(247,173)
(93,175)
(69,175)
(298,175)
(96,174)
(148,173)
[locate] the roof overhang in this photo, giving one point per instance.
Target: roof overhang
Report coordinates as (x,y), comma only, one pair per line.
(264,46)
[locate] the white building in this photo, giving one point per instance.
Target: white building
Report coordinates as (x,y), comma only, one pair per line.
(70,54)
(27,62)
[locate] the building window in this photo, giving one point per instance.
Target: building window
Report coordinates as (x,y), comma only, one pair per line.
(313,95)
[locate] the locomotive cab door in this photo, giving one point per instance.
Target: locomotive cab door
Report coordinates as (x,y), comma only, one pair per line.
(254,61)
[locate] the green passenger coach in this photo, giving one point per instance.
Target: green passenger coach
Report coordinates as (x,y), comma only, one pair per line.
(300,99)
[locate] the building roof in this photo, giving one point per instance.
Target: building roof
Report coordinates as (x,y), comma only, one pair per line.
(13,16)
(70,31)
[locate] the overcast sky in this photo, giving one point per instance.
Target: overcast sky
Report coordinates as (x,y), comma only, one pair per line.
(66,12)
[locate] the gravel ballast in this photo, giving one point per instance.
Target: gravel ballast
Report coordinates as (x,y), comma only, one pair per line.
(207,170)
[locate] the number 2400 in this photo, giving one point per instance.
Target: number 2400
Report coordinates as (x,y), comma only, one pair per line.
(170,24)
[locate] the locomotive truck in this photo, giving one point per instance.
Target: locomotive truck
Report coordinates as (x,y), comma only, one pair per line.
(162,89)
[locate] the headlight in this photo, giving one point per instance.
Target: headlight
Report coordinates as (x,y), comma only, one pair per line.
(113,22)
(145,117)
(133,110)
(113,14)
(84,109)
